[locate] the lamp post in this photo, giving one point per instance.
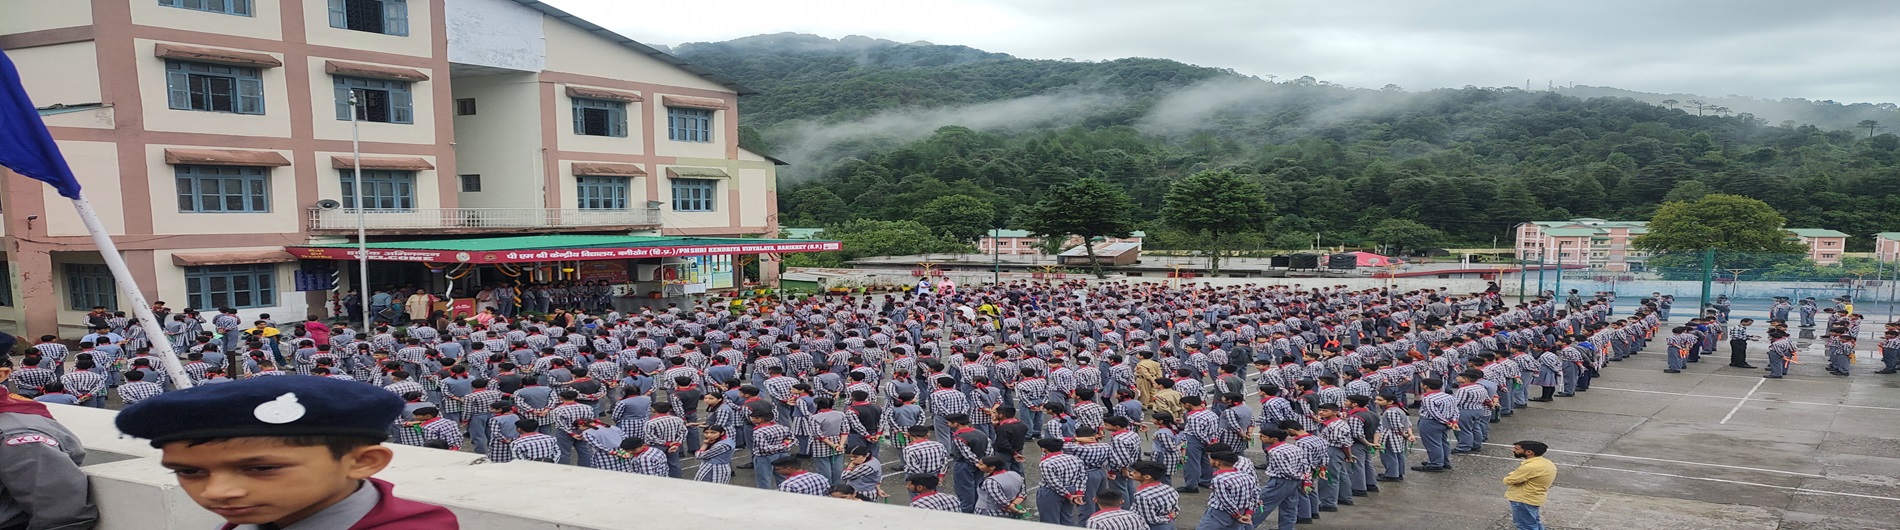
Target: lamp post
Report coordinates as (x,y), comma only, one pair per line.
(362,230)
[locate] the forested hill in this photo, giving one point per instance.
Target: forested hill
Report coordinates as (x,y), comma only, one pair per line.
(949,134)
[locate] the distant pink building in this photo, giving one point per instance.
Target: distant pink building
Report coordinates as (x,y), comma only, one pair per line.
(1583,242)
(1021,242)
(1825,247)
(1887,246)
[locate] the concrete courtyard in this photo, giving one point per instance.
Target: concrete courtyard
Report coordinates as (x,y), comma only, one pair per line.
(1714,447)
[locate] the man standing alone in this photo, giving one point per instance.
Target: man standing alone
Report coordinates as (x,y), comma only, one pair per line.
(1528,485)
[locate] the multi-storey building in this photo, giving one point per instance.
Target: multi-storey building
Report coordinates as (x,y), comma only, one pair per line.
(215,136)
(1887,246)
(1583,242)
(1825,247)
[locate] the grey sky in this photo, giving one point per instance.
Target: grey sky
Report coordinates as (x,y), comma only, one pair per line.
(1841,50)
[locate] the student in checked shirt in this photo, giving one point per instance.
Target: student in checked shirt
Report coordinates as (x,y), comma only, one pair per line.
(1109,514)
(532,445)
(430,426)
(501,431)
(1437,417)
(968,446)
(1230,504)
(137,389)
(635,456)
(1125,447)
(667,432)
(770,441)
(863,472)
(1165,446)
(1063,484)
(924,494)
(1340,432)
(1316,457)
(1001,492)
(1395,437)
(1202,428)
(797,480)
(1155,500)
(715,456)
(603,443)
(924,455)
(1286,471)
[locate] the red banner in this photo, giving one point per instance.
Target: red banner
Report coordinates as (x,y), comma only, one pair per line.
(578,254)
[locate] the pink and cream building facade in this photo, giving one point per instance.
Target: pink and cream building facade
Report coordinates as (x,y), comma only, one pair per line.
(1583,242)
(213,134)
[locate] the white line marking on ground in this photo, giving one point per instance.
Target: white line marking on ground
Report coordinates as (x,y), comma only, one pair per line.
(1766,400)
(1665,460)
(1744,401)
(1804,491)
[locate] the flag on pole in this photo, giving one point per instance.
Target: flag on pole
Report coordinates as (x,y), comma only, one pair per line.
(25,146)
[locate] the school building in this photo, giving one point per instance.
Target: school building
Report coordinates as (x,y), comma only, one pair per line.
(215,137)
(1607,245)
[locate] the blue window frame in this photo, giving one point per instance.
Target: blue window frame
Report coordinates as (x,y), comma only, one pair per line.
(90,285)
(229,7)
(383,190)
(233,286)
(213,87)
(688,125)
(377,100)
(602,193)
(600,117)
(694,195)
(388,17)
(223,189)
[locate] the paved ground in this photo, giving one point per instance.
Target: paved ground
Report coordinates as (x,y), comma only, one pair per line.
(1712,448)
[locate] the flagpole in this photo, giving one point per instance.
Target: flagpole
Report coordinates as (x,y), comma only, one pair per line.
(121,274)
(362,231)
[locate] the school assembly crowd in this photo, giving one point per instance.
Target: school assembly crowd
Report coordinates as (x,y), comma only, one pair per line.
(1289,399)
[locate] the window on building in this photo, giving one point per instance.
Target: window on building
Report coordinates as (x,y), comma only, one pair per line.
(389,17)
(471,183)
(602,193)
(214,87)
(223,189)
(88,286)
(377,100)
(694,195)
(465,107)
(233,286)
(1827,255)
(600,117)
(229,7)
(688,125)
(6,284)
(382,190)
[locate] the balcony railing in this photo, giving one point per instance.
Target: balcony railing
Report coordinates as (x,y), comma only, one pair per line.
(476,219)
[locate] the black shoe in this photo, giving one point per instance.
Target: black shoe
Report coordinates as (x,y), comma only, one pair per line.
(1771,376)
(1567,394)
(1372,489)
(1187,490)
(1742,365)
(1391,479)
(1542,399)
(742,466)
(1583,390)
(1303,520)
(1430,469)
(1885,371)
(1360,493)
(1695,360)
(1345,503)
(1672,371)
(1329,508)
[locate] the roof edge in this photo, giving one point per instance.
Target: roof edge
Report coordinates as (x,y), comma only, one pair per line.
(623,40)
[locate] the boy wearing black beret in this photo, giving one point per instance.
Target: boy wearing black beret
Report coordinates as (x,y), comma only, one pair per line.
(283,453)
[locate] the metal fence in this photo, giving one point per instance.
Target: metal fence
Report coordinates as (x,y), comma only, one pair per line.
(1750,281)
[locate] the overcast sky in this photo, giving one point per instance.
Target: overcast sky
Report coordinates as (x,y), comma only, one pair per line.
(1844,50)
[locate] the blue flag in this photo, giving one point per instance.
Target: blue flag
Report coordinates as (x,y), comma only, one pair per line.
(25,146)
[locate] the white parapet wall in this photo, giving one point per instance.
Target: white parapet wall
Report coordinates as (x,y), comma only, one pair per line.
(135,493)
